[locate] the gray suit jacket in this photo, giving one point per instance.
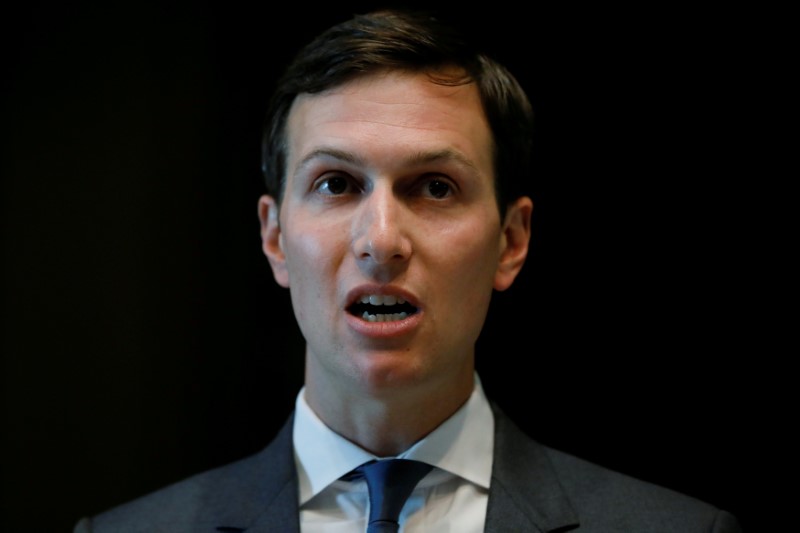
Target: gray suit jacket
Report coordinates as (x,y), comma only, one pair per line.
(534,488)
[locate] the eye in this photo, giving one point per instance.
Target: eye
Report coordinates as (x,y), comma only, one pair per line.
(333,185)
(437,188)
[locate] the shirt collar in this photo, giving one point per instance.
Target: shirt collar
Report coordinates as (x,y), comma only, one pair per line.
(462,445)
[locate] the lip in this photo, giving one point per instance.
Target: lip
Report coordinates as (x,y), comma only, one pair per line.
(395,328)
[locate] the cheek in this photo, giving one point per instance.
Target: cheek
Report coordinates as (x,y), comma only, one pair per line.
(470,255)
(302,262)
(473,244)
(311,257)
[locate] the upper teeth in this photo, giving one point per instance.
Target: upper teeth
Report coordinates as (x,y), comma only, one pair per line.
(381,299)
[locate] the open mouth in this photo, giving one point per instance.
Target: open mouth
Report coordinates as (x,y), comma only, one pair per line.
(381,308)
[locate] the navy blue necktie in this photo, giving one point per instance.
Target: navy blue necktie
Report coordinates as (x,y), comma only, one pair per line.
(390,483)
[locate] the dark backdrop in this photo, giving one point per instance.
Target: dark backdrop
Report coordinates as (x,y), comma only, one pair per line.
(143,338)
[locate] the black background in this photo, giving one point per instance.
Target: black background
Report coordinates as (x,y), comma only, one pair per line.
(145,340)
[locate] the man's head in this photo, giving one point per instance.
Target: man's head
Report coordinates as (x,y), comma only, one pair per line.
(416,42)
(387,229)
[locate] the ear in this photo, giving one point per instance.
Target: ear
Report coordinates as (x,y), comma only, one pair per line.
(514,242)
(272,239)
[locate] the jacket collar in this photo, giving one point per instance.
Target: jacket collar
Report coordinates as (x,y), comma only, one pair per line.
(525,494)
(271,476)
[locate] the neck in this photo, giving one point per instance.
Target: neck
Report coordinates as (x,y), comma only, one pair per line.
(386,422)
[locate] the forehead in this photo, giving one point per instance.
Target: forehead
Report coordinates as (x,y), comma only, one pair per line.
(380,114)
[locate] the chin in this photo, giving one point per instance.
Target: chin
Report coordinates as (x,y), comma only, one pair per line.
(390,372)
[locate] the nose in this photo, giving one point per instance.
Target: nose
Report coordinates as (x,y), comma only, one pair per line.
(380,232)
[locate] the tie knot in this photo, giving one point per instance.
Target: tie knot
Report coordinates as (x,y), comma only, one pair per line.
(390,483)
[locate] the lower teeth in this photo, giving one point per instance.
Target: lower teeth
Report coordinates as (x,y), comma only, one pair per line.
(384,317)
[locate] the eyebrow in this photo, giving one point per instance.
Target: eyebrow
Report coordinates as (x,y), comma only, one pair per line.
(433,156)
(332,153)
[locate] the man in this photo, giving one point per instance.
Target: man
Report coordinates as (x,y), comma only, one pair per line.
(396,158)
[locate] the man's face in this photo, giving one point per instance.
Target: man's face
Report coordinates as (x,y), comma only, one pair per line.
(389,236)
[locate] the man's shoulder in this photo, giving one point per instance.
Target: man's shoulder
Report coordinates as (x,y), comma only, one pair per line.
(593,488)
(194,500)
(228,494)
(586,477)
(599,498)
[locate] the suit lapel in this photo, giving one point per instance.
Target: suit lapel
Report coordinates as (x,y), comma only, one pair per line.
(525,494)
(281,514)
(271,486)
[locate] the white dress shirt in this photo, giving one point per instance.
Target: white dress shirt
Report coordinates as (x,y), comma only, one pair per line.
(452,498)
